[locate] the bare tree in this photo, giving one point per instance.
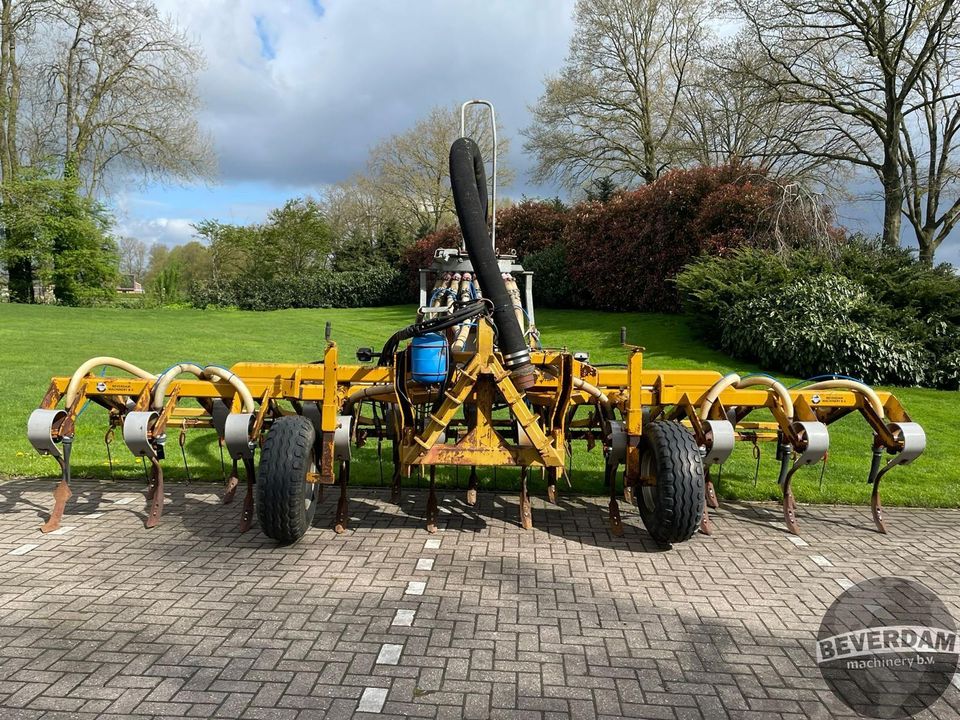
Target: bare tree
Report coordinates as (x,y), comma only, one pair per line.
(930,160)
(729,117)
(120,90)
(133,257)
(614,108)
(354,208)
(856,67)
(411,170)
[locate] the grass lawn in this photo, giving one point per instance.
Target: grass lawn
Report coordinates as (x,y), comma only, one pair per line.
(37,342)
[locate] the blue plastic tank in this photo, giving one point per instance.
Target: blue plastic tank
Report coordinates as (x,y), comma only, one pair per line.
(428,359)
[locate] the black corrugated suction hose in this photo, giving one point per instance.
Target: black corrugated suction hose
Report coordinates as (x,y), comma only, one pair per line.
(469,183)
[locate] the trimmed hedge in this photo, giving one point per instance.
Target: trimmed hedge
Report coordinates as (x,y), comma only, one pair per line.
(363,288)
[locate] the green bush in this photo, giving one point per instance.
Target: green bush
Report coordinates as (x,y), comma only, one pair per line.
(551,282)
(810,327)
(866,311)
(363,288)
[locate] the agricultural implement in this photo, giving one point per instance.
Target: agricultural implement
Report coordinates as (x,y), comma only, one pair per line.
(469,384)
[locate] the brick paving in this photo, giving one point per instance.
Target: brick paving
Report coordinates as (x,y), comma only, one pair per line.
(194,620)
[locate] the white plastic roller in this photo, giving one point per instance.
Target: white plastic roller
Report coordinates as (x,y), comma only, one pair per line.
(136,432)
(618,444)
(720,436)
(814,441)
(914,441)
(236,435)
(341,438)
(40,430)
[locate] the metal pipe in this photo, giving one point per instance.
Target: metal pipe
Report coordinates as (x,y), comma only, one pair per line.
(463,133)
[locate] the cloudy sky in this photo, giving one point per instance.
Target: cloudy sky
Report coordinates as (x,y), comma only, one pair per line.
(297,91)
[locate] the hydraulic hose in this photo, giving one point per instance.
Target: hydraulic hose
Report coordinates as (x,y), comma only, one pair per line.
(474,309)
(775,385)
(160,389)
(71,394)
(372,391)
(221,373)
(469,183)
(734,380)
(714,392)
(592,390)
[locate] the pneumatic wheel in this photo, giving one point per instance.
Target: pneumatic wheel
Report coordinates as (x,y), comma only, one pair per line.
(286,502)
(670,496)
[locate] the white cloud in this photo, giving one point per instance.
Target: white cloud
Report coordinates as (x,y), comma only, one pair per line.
(166,231)
(339,82)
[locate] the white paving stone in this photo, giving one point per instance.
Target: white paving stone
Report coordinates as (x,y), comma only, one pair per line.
(23,549)
(425,564)
(404,618)
(389,654)
(63,530)
(798,541)
(845,583)
(416,587)
(431,544)
(372,700)
(821,561)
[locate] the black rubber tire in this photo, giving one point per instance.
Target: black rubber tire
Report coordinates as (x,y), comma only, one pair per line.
(673,507)
(286,503)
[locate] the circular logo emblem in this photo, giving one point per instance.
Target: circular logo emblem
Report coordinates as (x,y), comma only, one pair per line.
(101,386)
(815,399)
(888,647)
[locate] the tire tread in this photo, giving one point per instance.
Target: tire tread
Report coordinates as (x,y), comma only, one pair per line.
(284,464)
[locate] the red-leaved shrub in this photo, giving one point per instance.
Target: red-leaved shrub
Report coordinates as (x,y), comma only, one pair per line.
(624,254)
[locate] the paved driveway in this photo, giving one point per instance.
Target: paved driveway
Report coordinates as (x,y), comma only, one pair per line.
(481,620)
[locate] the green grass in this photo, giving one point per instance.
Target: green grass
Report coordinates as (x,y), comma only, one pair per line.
(37,342)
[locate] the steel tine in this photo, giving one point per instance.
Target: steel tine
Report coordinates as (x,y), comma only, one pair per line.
(183,451)
(107,440)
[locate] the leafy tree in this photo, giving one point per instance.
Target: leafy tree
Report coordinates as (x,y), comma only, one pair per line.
(57,236)
(601,189)
(295,239)
(233,248)
(133,257)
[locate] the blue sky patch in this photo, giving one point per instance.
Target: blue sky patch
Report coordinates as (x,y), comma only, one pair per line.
(317,7)
(267,49)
